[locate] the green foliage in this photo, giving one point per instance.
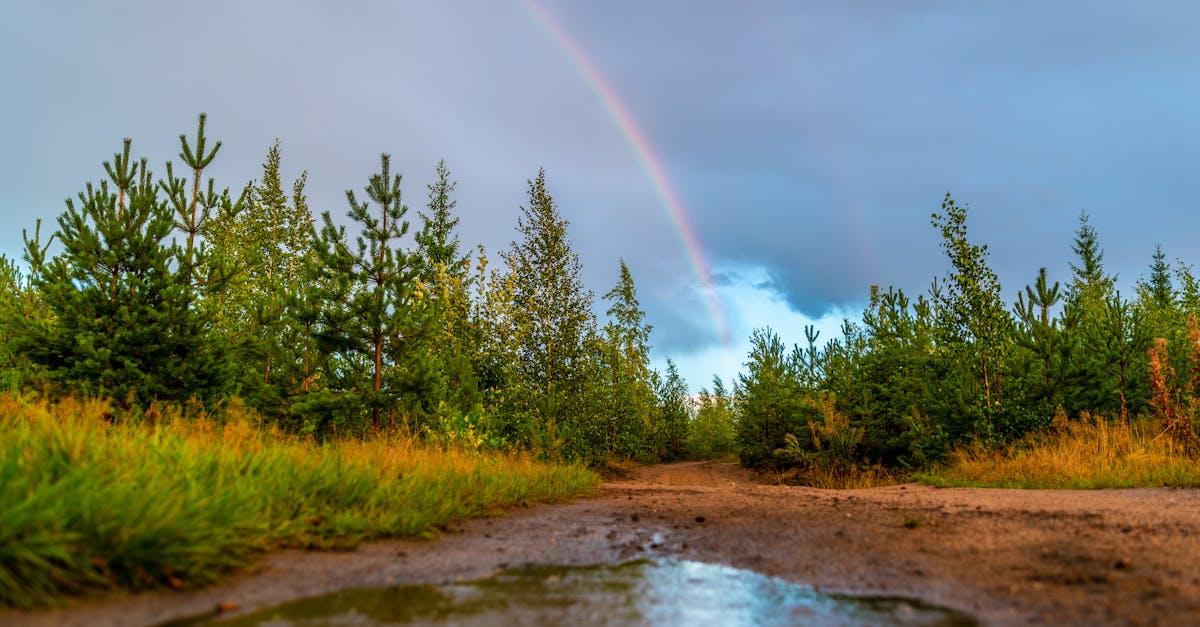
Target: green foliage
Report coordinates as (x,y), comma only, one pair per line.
(771,404)
(550,319)
(21,306)
(123,298)
(267,240)
(626,413)
(711,433)
(919,378)
(365,295)
(672,415)
(86,504)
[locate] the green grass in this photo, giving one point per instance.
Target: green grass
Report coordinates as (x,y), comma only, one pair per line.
(88,505)
(1080,455)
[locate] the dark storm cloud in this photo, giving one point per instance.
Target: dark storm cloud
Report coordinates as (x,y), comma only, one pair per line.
(808,140)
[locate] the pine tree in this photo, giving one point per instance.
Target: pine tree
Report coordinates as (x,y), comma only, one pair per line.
(552,315)
(121,296)
(204,271)
(1089,386)
(1048,342)
(671,424)
(1124,336)
(771,402)
(711,432)
(364,295)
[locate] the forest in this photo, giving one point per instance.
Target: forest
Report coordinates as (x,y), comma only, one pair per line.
(174,290)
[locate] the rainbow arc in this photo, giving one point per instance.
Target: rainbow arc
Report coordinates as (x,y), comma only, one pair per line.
(647,158)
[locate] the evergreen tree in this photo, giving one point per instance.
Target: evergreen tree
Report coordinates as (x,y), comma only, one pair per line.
(437,241)
(121,296)
(1047,341)
(452,342)
(1089,387)
(1125,338)
(671,424)
(267,240)
(711,433)
(771,402)
(552,316)
(1158,289)
(364,297)
(21,307)
(1087,272)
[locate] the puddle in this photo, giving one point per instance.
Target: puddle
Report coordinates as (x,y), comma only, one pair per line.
(644,592)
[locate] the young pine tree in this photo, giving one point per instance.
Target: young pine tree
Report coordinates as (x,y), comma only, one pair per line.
(121,295)
(672,416)
(771,403)
(1089,384)
(364,295)
(711,433)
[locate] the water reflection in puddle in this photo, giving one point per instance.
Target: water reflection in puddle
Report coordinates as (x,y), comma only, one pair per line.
(645,592)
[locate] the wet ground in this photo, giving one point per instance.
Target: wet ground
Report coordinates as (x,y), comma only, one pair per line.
(642,592)
(1004,556)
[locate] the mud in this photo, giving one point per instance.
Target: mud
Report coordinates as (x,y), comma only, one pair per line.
(1003,556)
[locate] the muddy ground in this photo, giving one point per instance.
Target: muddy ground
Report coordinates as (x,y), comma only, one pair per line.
(1005,556)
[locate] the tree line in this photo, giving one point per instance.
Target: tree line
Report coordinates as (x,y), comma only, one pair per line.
(956,365)
(169,288)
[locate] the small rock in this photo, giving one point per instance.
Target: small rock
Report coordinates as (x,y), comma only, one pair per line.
(634,517)
(1127,529)
(1122,564)
(225,607)
(699,519)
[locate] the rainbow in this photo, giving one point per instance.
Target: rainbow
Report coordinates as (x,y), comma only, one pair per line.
(650,163)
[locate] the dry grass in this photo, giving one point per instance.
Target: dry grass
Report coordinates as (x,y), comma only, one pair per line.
(86,503)
(1090,453)
(842,478)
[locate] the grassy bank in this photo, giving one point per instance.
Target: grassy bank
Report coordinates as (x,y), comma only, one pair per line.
(1078,455)
(85,504)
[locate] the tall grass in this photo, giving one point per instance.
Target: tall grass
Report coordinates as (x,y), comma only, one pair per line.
(86,504)
(1090,453)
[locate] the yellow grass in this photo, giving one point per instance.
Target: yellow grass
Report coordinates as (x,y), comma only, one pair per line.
(1090,453)
(86,503)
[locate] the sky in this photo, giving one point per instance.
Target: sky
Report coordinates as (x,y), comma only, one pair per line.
(806,143)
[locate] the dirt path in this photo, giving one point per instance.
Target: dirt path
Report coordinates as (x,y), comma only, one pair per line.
(1006,556)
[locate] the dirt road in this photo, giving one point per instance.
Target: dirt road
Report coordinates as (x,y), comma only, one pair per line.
(1006,556)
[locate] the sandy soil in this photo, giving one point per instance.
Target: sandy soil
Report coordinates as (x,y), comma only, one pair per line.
(1006,556)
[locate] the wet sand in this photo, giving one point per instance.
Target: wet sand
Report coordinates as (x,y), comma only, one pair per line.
(1005,556)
